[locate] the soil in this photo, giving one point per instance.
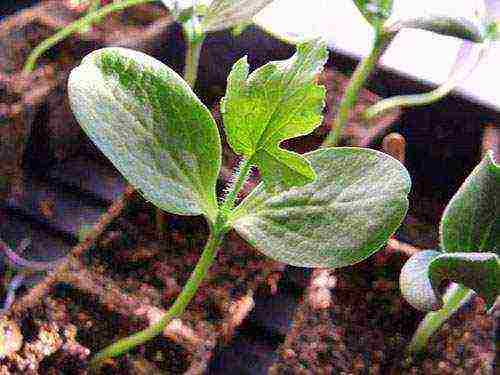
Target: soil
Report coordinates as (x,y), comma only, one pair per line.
(58,185)
(354,321)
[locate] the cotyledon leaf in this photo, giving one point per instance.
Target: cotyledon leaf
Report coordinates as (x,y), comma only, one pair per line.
(465,19)
(415,284)
(471,220)
(152,127)
(356,203)
(424,272)
(278,101)
(224,14)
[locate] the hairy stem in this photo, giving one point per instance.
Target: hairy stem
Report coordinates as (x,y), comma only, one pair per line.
(356,83)
(217,233)
(455,297)
(180,304)
(75,27)
(239,180)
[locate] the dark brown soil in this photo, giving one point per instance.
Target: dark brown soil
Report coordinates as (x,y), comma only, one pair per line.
(359,324)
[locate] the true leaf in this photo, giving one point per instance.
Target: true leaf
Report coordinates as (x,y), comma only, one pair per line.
(424,272)
(278,101)
(152,127)
(224,14)
(471,220)
(357,201)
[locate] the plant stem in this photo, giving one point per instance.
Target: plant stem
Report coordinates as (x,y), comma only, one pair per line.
(239,180)
(356,83)
(455,297)
(455,78)
(176,310)
(75,27)
(93,7)
(217,233)
(194,37)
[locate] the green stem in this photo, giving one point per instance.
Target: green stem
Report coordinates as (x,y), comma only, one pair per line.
(239,180)
(94,6)
(180,304)
(217,233)
(403,101)
(454,299)
(194,37)
(75,27)
(356,83)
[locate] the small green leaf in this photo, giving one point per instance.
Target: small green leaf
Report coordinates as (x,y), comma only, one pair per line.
(424,272)
(356,203)
(224,14)
(471,220)
(150,124)
(375,11)
(278,101)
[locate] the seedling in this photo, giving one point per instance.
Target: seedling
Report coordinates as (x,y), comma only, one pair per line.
(469,254)
(388,18)
(197,17)
(329,208)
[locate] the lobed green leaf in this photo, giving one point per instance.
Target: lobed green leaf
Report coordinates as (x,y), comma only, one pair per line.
(152,127)
(356,203)
(471,220)
(278,101)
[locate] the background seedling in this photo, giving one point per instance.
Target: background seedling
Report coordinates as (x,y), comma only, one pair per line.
(469,255)
(328,208)
(197,17)
(387,18)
